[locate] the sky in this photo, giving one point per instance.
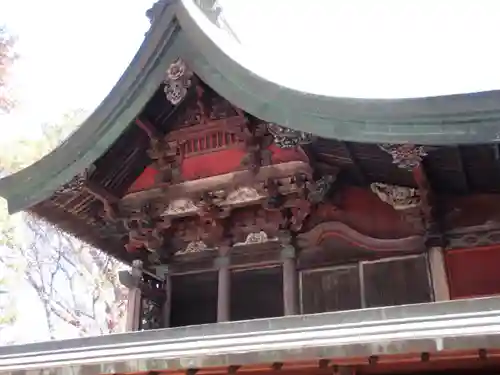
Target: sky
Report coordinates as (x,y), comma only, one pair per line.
(71,54)
(377,49)
(73,51)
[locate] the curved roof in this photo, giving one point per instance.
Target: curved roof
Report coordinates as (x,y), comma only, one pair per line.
(183,30)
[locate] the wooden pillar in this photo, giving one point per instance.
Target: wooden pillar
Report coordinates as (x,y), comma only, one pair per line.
(164,273)
(290,281)
(224,285)
(134,297)
(438,274)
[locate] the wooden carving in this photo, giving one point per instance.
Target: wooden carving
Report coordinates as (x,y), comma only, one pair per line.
(257,142)
(406,156)
(287,138)
(167,160)
(256,220)
(400,197)
(405,200)
(321,232)
(178,80)
(193,247)
(259,237)
(204,108)
(219,180)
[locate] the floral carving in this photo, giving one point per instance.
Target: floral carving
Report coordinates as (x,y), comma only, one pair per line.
(193,247)
(242,195)
(180,206)
(406,156)
(288,138)
(177,82)
(255,238)
(399,197)
(258,237)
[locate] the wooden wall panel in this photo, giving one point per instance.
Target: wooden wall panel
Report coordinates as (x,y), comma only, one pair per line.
(473,272)
(257,293)
(194,299)
(332,289)
(397,281)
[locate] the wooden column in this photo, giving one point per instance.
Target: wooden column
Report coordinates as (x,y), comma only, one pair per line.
(164,273)
(224,285)
(134,296)
(290,284)
(438,274)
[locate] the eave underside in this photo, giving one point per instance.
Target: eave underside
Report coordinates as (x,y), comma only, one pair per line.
(453,171)
(111,143)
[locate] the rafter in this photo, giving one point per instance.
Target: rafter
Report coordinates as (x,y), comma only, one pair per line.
(148,128)
(461,168)
(359,171)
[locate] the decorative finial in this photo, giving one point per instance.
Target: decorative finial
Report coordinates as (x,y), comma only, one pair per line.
(157,8)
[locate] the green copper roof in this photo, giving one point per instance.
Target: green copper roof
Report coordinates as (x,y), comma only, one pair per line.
(465,118)
(182,30)
(101,129)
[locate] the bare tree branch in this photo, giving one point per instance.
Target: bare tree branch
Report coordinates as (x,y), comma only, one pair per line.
(75,283)
(7,58)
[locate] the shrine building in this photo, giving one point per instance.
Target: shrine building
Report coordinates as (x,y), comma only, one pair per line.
(271,230)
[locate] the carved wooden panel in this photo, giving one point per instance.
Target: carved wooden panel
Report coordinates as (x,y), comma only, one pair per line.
(331,289)
(333,243)
(473,272)
(256,293)
(194,299)
(363,211)
(396,281)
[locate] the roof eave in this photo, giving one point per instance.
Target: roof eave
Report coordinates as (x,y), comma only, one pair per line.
(102,128)
(180,30)
(440,120)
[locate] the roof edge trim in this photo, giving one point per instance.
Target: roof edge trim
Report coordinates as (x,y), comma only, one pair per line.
(100,130)
(439,120)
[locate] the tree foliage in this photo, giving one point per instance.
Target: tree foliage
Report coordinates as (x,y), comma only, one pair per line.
(77,285)
(7,58)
